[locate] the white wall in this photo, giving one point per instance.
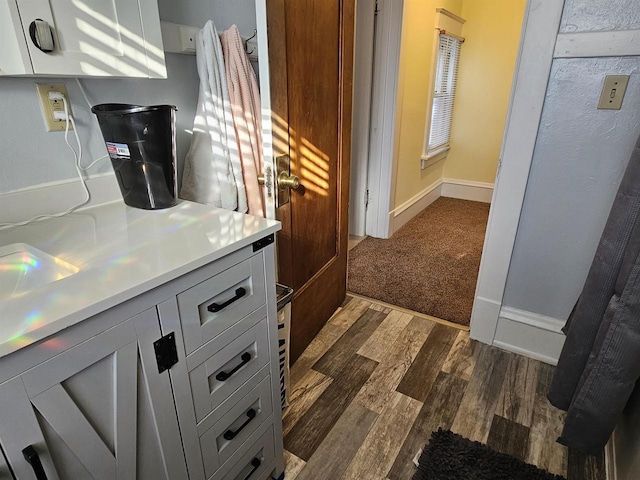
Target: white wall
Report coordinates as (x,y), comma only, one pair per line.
(31,156)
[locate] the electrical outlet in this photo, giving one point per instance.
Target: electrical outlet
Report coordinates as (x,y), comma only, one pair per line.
(613,92)
(49,106)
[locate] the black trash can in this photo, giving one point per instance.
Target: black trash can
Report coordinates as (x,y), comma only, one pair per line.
(141,142)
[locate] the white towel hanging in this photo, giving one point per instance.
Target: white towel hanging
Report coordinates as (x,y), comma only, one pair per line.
(212,171)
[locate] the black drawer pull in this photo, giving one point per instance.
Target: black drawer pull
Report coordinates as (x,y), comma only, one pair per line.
(230,434)
(222,376)
(31,456)
(255,463)
(215,307)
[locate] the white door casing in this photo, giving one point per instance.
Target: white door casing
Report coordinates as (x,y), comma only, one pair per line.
(385,125)
(533,66)
(265,99)
(362,80)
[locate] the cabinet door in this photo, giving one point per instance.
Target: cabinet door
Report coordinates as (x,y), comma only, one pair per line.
(100,410)
(95,37)
(14,56)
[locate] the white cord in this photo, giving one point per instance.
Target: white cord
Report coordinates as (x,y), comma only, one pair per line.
(78,158)
(88,167)
(86,99)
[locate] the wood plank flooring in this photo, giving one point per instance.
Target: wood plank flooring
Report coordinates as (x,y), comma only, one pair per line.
(376,381)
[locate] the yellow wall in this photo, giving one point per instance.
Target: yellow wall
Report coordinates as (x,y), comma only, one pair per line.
(487,62)
(413,84)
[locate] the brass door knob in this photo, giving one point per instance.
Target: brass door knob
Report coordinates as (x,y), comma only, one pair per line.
(286,181)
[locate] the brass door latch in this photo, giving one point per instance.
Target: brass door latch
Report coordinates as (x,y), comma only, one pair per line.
(266,181)
(284,180)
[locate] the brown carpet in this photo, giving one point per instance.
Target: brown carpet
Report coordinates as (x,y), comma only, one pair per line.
(430,265)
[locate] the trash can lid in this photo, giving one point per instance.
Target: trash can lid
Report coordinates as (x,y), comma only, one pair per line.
(126,108)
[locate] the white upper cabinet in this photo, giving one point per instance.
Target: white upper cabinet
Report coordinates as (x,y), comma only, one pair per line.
(104,38)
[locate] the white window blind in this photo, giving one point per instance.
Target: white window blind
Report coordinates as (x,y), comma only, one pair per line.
(444,93)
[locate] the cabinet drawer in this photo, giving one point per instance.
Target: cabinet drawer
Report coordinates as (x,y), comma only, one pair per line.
(254,463)
(225,371)
(216,304)
(236,426)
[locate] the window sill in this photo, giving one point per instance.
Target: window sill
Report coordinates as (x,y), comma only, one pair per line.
(429,160)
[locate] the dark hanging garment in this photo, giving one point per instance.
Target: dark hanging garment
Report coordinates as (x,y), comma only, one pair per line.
(600,362)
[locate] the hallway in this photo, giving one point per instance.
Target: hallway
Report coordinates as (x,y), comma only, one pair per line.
(430,265)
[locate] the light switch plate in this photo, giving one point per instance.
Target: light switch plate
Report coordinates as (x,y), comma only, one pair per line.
(48,106)
(613,92)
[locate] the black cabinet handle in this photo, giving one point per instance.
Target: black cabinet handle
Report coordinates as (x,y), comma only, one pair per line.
(230,434)
(215,307)
(255,463)
(31,456)
(222,376)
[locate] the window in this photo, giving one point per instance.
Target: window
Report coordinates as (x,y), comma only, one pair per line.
(444,94)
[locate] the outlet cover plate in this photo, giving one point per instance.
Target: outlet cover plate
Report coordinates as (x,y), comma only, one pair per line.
(48,106)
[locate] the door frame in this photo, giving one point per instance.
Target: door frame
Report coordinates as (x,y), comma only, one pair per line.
(533,66)
(361,123)
(385,120)
(269,161)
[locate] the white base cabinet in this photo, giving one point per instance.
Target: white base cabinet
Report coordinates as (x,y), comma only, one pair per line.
(95,400)
(99,410)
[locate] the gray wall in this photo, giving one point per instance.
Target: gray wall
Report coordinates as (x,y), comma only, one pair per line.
(31,156)
(590,15)
(579,159)
(224,12)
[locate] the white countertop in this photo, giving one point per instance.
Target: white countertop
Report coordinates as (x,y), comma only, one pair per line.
(119,252)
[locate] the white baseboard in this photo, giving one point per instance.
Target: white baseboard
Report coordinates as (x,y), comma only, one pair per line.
(412,207)
(467,190)
(447,187)
(530,334)
(483,319)
(56,197)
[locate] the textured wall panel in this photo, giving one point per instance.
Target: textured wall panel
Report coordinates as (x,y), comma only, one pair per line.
(579,159)
(589,15)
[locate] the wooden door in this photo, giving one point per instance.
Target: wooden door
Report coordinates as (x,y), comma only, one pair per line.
(100,410)
(311,71)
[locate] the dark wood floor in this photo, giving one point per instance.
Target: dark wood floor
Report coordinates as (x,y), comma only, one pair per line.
(374,384)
